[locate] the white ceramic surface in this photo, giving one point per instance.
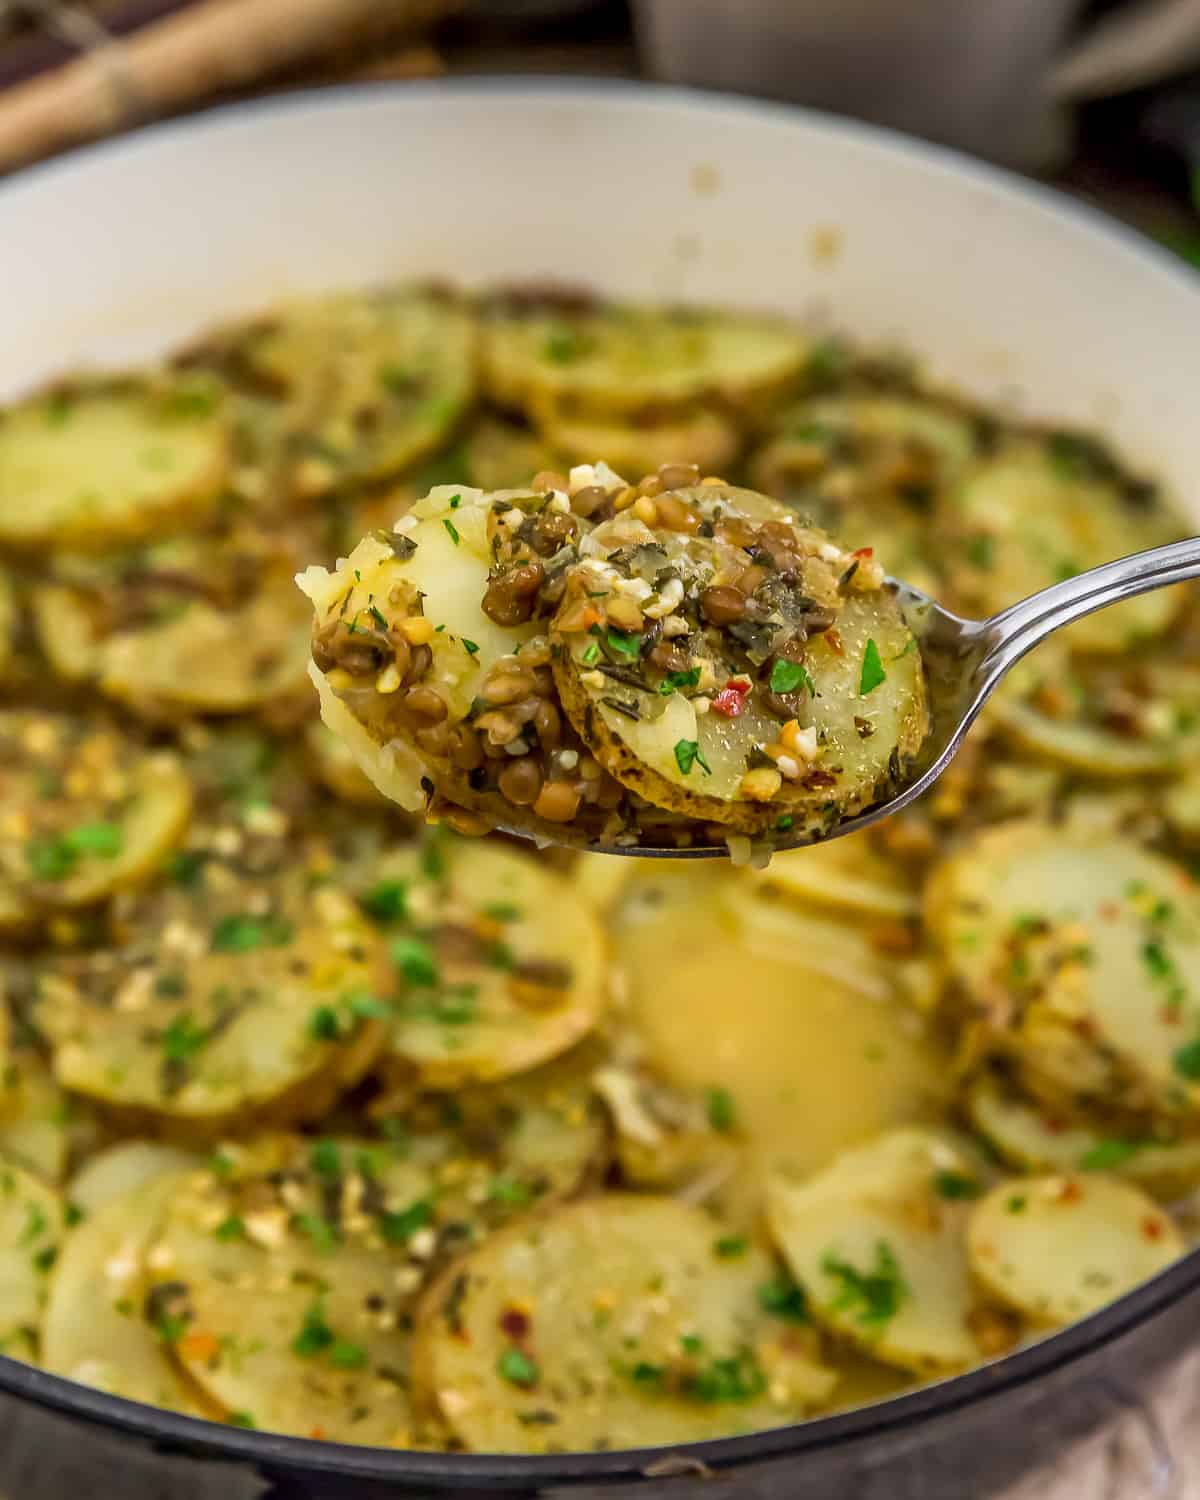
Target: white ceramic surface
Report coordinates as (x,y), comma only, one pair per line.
(1011,292)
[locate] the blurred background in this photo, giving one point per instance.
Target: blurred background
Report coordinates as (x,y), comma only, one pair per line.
(1101,97)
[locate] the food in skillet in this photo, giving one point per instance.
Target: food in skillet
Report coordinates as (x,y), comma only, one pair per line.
(317,1120)
(588,660)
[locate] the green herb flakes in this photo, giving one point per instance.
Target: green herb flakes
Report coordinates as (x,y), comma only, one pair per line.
(873,1296)
(872,675)
(720,1109)
(515,1366)
(789,676)
(689,754)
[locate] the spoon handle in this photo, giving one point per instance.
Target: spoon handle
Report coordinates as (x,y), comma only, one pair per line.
(1022,626)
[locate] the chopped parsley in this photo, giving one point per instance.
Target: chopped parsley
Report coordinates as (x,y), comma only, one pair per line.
(784,1298)
(451,529)
(378,616)
(1186,1061)
(320,1231)
(731,1246)
(739,1378)
(243,933)
(503,911)
(788,676)
(720,1109)
(515,1366)
(688,754)
(872,670)
(401,1225)
(562,345)
(591,654)
(183,1038)
(345,1355)
(674,680)
(1017,1204)
(950,1184)
(387,901)
(230,1229)
(510,1191)
(416,960)
(625,643)
(873,1296)
(470,647)
(315,1334)
(56,858)
(325,1159)
(242,1419)
(324,1025)
(1105,1155)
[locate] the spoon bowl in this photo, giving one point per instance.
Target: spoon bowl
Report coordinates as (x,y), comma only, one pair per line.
(965,661)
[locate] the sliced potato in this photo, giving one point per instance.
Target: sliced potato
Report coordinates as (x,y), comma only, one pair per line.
(703,438)
(335,766)
(495,1150)
(612,1323)
(500,455)
(90,812)
(621,360)
(1079,956)
(125,1168)
(500,964)
(1056,1248)
(167,642)
(1023,520)
(31,1229)
(1112,720)
(877,1241)
(870,468)
(856,701)
(373,382)
(1036,1140)
(848,875)
(101,466)
(38,1122)
(93,1330)
(237,999)
(280,1285)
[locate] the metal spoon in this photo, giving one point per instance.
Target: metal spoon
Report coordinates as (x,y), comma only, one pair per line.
(965,661)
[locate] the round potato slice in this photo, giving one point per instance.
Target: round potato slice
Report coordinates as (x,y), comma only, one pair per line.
(612,1323)
(792,705)
(1057,1248)
(1037,1140)
(93,1330)
(1109,719)
(194,628)
(870,468)
(500,455)
(239,997)
(500,963)
(1078,953)
(1027,518)
(877,1241)
(282,1285)
(96,467)
(623,360)
(848,875)
(88,812)
(31,1229)
(39,1124)
(702,438)
(373,382)
(125,1168)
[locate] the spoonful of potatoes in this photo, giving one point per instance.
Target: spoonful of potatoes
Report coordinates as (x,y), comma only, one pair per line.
(680,668)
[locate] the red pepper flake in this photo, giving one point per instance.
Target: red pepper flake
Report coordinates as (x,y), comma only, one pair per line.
(863,552)
(833,640)
(1152,1227)
(515,1323)
(316,1432)
(729,702)
(1054,1127)
(1071,1192)
(1170,1015)
(1109,910)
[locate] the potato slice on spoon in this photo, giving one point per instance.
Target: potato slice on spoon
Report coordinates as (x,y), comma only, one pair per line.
(616,665)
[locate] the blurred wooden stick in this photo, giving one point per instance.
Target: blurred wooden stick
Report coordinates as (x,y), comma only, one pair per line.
(210,47)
